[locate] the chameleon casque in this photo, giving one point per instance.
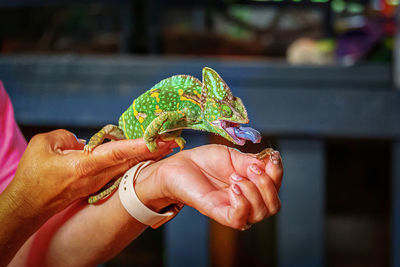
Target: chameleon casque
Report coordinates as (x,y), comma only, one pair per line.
(176,103)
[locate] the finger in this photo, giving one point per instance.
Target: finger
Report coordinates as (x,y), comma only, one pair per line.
(238,211)
(228,208)
(96,182)
(258,210)
(162,156)
(240,161)
(274,169)
(113,153)
(110,173)
(272,165)
(60,140)
(266,188)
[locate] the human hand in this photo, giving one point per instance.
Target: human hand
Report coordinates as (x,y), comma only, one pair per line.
(231,187)
(54,171)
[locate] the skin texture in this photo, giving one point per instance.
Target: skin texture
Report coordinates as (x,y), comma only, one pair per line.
(71,238)
(52,174)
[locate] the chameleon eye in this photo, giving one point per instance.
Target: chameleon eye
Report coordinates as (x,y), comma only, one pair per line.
(226,111)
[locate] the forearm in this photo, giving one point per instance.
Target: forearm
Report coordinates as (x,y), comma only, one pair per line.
(19,220)
(82,235)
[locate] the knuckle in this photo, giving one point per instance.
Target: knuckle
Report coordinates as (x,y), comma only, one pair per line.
(257,218)
(236,224)
(278,206)
(262,214)
(275,207)
(38,138)
(82,170)
(265,182)
(62,134)
(118,156)
(77,188)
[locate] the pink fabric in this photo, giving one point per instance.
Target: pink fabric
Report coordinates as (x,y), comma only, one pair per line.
(12,142)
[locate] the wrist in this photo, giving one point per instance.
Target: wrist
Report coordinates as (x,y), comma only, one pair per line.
(150,188)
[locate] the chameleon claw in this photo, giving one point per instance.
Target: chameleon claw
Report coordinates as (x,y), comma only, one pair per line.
(180,142)
(87,149)
(152,146)
(266,152)
(275,157)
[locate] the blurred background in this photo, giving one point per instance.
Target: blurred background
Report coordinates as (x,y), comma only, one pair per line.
(319,79)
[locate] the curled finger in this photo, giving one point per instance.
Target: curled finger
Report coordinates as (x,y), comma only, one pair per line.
(274,168)
(266,187)
(258,210)
(238,211)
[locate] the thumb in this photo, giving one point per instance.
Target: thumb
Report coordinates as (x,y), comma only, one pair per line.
(113,153)
(60,140)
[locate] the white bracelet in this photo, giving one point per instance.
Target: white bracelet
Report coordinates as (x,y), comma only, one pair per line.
(135,207)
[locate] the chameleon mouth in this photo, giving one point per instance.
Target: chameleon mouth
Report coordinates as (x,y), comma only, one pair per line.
(238,133)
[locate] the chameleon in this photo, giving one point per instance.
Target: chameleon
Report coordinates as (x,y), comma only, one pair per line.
(176,103)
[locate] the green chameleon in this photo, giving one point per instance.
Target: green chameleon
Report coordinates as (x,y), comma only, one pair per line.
(176,103)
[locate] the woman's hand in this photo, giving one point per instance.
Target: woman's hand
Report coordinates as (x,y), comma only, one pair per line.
(231,187)
(54,171)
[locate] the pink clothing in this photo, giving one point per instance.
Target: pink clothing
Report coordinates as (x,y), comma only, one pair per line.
(12,142)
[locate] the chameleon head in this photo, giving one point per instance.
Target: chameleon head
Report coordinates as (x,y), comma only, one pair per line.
(222,112)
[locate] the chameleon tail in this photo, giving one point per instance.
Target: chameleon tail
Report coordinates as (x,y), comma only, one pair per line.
(104,194)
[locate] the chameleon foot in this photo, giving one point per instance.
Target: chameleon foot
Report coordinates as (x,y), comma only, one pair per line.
(176,136)
(266,152)
(152,146)
(274,155)
(104,194)
(109,131)
(275,158)
(180,141)
(88,148)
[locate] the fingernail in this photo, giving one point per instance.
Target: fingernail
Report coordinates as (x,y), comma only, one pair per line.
(236,189)
(275,158)
(82,141)
(236,177)
(254,168)
(234,148)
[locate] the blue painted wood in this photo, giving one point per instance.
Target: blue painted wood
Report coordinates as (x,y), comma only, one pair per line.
(341,113)
(186,237)
(301,219)
(395,204)
(93,91)
(126,22)
(250,72)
